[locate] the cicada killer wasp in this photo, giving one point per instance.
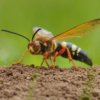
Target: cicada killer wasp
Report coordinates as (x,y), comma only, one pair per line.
(45,43)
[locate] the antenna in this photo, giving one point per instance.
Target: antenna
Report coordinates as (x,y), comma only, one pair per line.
(35,33)
(15,33)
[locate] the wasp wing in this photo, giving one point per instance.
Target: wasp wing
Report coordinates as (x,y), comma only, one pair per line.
(42,33)
(80,30)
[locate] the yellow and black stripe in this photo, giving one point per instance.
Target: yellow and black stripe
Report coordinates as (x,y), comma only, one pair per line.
(76,52)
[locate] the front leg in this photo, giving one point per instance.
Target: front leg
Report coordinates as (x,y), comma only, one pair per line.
(21,57)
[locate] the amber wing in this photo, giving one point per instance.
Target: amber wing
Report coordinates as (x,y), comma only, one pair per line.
(80,30)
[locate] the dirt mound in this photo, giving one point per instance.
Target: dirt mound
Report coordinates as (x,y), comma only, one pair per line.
(24,82)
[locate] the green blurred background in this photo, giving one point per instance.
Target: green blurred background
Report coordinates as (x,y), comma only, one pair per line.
(56,16)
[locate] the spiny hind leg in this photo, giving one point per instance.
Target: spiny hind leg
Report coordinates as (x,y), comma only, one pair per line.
(61,52)
(21,57)
(70,58)
(57,54)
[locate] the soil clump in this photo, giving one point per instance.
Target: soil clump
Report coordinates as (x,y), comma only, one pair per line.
(24,82)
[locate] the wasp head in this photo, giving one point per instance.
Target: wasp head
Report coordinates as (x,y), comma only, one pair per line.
(34,47)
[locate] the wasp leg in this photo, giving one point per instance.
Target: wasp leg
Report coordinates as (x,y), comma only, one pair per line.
(52,63)
(47,63)
(44,59)
(55,55)
(70,58)
(21,57)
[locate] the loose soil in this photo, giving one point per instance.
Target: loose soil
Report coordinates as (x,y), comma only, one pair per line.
(24,82)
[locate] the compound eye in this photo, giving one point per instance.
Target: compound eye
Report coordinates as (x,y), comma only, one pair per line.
(36,45)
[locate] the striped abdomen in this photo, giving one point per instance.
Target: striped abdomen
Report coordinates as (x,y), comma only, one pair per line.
(76,52)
